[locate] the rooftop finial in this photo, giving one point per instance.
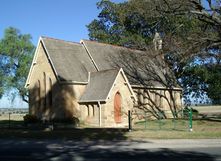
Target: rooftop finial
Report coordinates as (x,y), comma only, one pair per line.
(157,41)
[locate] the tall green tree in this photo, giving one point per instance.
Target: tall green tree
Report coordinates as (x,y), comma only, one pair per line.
(16,52)
(206,78)
(190,30)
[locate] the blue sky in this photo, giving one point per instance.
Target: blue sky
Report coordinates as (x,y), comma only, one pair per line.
(63,19)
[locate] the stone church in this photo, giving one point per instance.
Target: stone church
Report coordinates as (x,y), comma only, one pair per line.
(82,80)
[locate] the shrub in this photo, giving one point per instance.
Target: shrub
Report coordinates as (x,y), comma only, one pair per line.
(30,119)
(72,120)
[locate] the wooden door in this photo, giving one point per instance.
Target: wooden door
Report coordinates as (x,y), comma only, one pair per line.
(117,108)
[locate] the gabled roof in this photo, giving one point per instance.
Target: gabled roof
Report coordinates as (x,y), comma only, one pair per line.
(107,56)
(101,84)
(70,60)
(104,54)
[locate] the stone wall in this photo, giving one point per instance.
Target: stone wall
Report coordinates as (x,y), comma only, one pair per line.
(49,99)
(90,111)
(158,100)
(127,103)
(52,100)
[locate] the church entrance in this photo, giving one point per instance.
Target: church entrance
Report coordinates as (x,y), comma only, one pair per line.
(117,108)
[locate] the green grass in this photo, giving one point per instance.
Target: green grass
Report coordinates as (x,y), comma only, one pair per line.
(169,124)
(12,123)
(66,134)
(208,109)
(202,129)
(164,129)
(163,134)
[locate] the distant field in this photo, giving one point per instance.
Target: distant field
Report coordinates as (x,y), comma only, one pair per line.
(15,117)
(208,109)
(16,114)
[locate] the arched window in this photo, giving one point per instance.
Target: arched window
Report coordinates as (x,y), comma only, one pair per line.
(88,111)
(39,93)
(117,107)
(157,98)
(161,98)
(50,100)
(93,110)
(45,90)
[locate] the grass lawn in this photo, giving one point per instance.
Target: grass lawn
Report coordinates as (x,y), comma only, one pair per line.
(208,109)
(202,129)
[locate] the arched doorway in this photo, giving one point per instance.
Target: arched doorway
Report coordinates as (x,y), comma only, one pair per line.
(117,107)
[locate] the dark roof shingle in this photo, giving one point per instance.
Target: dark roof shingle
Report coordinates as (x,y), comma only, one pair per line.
(99,86)
(108,56)
(70,60)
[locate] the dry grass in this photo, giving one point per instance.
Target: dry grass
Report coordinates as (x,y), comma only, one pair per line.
(165,129)
(15,117)
(208,109)
(202,129)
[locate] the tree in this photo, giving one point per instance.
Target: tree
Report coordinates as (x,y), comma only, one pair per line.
(190,30)
(200,73)
(206,78)
(149,70)
(16,52)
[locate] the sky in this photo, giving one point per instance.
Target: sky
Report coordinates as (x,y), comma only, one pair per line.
(62,19)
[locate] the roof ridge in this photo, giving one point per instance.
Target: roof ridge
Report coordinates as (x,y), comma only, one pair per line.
(46,37)
(114,45)
(116,69)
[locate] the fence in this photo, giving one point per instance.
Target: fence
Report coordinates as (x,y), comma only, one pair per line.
(12,118)
(137,120)
(145,121)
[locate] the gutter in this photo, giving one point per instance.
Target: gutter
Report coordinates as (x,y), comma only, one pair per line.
(152,87)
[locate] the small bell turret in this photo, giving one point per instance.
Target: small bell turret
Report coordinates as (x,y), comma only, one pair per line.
(157,41)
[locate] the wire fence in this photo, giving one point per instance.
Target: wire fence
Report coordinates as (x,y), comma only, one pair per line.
(146,121)
(12,118)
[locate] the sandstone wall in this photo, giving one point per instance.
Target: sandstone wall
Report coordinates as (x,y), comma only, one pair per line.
(49,99)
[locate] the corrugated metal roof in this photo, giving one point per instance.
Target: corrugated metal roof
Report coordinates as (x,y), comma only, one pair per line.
(70,60)
(99,86)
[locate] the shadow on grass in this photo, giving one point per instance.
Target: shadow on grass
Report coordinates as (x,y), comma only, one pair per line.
(91,150)
(15,124)
(17,129)
(212,119)
(216,117)
(67,134)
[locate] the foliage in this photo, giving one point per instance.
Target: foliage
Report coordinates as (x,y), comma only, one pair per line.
(205,78)
(16,51)
(71,120)
(190,30)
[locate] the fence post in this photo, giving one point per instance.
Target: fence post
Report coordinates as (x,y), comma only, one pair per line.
(160,117)
(190,120)
(129,121)
(145,120)
(174,120)
(9,120)
(174,123)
